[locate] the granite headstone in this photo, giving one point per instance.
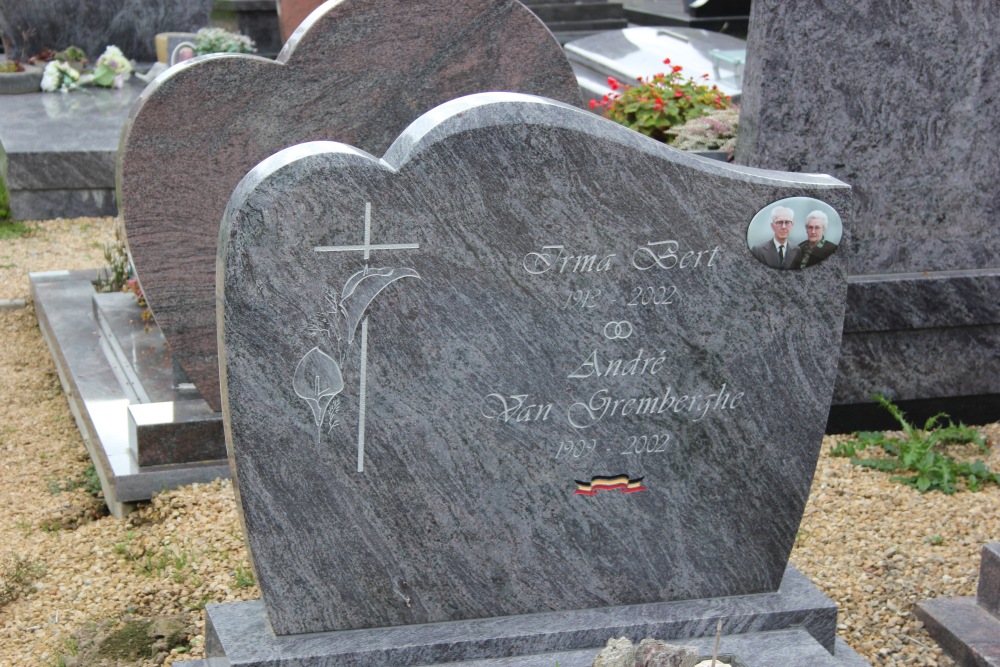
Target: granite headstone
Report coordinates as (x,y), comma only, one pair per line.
(894,102)
(359,72)
(484,376)
(131,25)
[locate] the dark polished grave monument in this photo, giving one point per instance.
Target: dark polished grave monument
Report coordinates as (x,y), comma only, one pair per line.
(483,403)
(892,103)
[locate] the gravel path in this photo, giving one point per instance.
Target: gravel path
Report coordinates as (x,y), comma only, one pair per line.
(81,578)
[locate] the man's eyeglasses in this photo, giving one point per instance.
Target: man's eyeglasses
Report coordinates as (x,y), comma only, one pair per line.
(783,223)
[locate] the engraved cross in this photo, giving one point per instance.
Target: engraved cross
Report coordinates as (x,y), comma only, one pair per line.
(367,247)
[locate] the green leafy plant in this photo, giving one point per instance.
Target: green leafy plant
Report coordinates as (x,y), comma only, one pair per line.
(922,453)
(17,229)
(660,102)
(219,40)
(72,53)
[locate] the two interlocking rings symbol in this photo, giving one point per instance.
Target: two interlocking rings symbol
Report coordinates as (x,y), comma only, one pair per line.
(616,330)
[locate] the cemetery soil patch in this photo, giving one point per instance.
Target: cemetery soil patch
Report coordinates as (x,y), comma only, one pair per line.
(78,587)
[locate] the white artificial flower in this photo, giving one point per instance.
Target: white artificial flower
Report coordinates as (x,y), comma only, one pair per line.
(60,76)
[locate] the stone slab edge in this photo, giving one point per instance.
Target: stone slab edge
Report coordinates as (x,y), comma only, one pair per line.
(69,385)
(988,590)
(240,632)
(964,629)
(122,491)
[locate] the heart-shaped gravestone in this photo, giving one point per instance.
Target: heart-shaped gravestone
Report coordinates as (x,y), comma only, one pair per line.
(525,362)
(357,71)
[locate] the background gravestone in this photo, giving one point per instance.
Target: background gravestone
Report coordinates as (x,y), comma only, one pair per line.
(896,103)
(131,25)
(359,73)
(480,378)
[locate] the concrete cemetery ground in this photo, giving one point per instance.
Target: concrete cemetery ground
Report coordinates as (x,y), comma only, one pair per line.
(75,581)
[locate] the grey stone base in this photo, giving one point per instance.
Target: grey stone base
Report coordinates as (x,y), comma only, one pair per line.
(779,648)
(796,625)
(171,428)
(968,628)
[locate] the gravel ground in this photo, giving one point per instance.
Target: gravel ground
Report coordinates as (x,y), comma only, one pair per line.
(76,582)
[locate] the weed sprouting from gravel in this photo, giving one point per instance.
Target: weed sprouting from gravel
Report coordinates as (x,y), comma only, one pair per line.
(923,452)
(91,482)
(17,577)
(244,576)
(87,480)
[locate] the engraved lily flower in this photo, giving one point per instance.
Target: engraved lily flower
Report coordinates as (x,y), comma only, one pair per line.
(318,380)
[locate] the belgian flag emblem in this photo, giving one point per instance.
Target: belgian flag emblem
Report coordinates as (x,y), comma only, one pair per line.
(600,483)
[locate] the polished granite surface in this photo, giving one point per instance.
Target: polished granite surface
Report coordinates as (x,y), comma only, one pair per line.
(60,150)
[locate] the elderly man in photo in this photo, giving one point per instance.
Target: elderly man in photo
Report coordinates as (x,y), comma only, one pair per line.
(777,252)
(816,247)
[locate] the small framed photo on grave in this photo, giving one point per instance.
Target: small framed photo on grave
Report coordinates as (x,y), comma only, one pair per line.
(794,233)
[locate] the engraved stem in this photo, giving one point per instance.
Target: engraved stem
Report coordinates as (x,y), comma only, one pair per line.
(363,389)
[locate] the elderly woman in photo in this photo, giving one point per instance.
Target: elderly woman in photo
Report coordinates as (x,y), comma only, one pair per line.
(816,247)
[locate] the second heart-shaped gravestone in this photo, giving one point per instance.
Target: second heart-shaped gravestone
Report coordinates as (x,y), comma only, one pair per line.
(357,71)
(525,362)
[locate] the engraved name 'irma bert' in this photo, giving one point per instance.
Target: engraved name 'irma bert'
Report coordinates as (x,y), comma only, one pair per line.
(664,255)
